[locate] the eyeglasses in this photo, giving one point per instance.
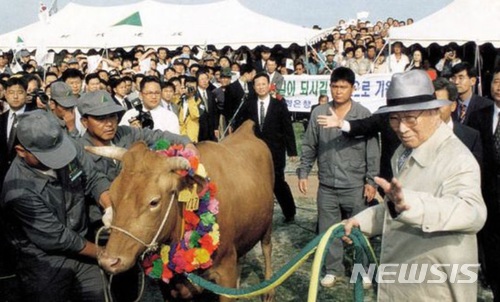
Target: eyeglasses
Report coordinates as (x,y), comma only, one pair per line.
(408,120)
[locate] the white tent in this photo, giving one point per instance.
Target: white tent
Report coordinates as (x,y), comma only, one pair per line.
(461,21)
(154,24)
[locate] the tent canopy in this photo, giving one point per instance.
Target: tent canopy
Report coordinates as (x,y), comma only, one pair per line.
(461,21)
(153,24)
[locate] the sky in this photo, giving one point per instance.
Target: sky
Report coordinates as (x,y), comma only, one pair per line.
(324,13)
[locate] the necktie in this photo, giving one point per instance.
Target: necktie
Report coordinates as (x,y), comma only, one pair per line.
(262,115)
(403,157)
(204,96)
(463,110)
(12,134)
(496,140)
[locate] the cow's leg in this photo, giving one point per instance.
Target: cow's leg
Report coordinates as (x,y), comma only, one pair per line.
(267,247)
(227,272)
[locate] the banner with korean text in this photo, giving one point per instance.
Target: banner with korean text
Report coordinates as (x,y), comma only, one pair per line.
(302,92)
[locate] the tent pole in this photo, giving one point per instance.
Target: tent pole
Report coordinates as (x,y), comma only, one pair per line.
(319,57)
(478,66)
(389,53)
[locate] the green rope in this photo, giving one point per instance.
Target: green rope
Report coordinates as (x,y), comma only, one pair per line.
(361,246)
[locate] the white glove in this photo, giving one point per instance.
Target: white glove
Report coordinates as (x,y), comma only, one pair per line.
(107,217)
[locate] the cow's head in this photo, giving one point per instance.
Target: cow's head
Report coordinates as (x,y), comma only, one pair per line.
(141,195)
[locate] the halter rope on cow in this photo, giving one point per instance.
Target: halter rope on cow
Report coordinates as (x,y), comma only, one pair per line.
(318,244)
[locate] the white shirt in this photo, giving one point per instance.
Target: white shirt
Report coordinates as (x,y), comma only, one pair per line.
(10,119)
(266,101)
(243,85)
(496,110)
(163,119)
(204,97)
(121,101)
(398,65)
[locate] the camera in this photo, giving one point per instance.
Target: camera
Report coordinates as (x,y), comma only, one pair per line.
(144,118)
(39,93)
(190,89)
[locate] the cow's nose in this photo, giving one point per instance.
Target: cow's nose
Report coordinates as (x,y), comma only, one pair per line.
(108,263)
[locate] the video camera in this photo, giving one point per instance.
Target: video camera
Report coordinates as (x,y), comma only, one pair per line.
(144,118)
(39,93)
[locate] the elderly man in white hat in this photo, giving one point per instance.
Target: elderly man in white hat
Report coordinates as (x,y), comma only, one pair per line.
(433,206)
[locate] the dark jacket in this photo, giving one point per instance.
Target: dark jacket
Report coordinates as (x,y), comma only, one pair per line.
(277,131)
(44,216)
(233,96)
(476,103)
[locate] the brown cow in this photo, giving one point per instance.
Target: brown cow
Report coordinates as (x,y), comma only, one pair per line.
(241,166)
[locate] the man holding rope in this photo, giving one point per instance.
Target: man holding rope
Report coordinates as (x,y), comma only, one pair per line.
(433,206)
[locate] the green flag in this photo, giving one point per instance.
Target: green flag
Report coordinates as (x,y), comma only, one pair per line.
(19,40)
(134,19)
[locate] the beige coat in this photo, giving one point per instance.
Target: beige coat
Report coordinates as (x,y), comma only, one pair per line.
(441,182)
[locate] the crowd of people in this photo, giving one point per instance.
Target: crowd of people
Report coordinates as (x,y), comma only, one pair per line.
(54,195)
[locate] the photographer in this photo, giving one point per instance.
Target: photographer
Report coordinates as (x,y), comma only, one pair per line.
(147,112)
(189,110)
(449,60)
(62,104)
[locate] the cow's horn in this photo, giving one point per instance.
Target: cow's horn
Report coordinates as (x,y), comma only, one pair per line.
(111,151)
(179,163)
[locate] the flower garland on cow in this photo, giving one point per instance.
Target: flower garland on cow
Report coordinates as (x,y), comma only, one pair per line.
(201,234)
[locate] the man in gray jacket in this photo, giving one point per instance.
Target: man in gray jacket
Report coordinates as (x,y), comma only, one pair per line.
(346,166)
(43,212)
(100,115)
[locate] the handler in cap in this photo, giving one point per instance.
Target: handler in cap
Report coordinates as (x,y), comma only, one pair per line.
(62,103)
(43,209)
(433,206)
(100,116)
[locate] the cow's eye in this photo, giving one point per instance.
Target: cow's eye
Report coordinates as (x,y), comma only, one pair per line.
(154,203)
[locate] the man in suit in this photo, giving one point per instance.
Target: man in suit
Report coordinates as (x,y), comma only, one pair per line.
(445,90)
(208,109)
(237,92)
(276,77)
(15,94)
(274,127)
(265,54)
(486,121)
(465,78)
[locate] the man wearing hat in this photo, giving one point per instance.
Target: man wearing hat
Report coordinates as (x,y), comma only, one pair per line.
(100,116)
(330,63)
(43,211)
(62,103)
(433,206)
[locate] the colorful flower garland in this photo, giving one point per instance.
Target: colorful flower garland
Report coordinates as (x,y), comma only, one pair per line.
(201,230)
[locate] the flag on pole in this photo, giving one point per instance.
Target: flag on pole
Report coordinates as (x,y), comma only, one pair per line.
(134,20)
(43,13)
